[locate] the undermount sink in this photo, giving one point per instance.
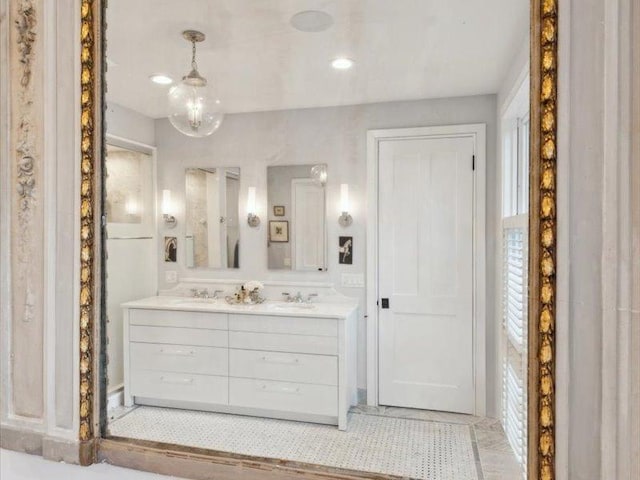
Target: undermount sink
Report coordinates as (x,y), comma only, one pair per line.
(292,306)
(197,300)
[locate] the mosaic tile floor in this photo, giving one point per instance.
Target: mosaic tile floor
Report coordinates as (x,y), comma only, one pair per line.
(415,444)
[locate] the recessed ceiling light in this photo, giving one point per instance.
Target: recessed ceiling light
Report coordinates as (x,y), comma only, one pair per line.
(311,21)
(342,63)
(161,79)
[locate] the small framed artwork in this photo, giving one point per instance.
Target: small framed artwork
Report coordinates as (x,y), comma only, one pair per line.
(345,250)
(279,231)
(170,249)
(278,210)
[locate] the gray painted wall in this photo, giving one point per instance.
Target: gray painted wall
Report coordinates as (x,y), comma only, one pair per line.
(335,136)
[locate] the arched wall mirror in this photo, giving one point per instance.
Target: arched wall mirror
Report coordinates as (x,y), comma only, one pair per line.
(333,229)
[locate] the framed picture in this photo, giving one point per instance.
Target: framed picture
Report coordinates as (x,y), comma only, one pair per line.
(279,231)
(170,249)
(345,250)
(278,210)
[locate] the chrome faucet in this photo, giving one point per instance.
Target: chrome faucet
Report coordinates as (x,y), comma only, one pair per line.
(204,293)
(295,299)
(215,294)
(298,298)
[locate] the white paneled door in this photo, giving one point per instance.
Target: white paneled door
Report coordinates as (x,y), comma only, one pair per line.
(308,235)
(425,273)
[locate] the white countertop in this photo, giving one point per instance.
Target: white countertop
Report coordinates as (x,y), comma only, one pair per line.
(321,309)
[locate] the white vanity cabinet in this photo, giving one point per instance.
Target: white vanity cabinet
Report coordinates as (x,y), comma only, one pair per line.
(290,365)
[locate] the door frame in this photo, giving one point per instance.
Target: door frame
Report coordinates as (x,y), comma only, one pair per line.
(114,392)
(477,131)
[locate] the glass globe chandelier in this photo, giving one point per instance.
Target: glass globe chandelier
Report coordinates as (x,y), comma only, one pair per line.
(193,108)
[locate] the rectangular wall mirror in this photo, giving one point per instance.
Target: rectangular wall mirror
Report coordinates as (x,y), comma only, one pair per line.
(364,143)
(297,218)
(212,234)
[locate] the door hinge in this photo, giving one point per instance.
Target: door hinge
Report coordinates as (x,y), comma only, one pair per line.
(473,162)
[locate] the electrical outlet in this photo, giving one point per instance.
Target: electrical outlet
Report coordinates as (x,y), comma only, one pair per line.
(353,280)
(171,276)
(287,262)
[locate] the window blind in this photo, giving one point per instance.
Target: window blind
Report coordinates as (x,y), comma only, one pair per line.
(514,325)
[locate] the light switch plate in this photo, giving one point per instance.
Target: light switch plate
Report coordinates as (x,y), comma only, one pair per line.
(353,280)
(171,276)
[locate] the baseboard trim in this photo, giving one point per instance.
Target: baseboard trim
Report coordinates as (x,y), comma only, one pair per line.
(51,448)
(362,396)
(60,450)
(24,441)
(115,398)
(87,452)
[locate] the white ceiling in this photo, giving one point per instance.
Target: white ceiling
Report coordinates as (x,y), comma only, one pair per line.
(403,49)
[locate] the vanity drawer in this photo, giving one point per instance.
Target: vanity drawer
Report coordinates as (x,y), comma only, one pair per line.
(288,367)
(180,387)
(284,343)
(172,318)
(179,358)
(284,396)
(327,327)
(179,336)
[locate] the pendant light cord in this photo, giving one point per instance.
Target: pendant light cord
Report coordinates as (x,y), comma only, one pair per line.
(194,65)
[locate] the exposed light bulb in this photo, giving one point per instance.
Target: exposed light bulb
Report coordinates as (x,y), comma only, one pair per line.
(195,113)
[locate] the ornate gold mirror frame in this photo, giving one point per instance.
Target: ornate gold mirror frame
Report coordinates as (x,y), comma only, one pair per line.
(542,251)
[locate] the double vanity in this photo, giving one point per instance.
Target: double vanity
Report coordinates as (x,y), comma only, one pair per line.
(285,360)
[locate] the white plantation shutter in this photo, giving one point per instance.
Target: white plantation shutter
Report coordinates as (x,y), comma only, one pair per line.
(514,326)
(515,280)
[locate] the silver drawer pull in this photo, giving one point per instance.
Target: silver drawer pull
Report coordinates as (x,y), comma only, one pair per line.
(279,389)
(281,360)
(182,353)
(177,381)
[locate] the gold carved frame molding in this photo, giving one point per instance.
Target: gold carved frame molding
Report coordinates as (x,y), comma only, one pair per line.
(542,250)
(543,238)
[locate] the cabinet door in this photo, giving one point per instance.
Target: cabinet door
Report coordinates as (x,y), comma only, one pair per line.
(284,343)
(326,327)
(174,318)
(179,358)
(288,367)
(179,336)
(284,396)
(180,387)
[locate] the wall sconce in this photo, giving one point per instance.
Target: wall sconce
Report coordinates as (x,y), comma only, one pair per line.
(167,209)
(319,174)
(252,219)
(345,219)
